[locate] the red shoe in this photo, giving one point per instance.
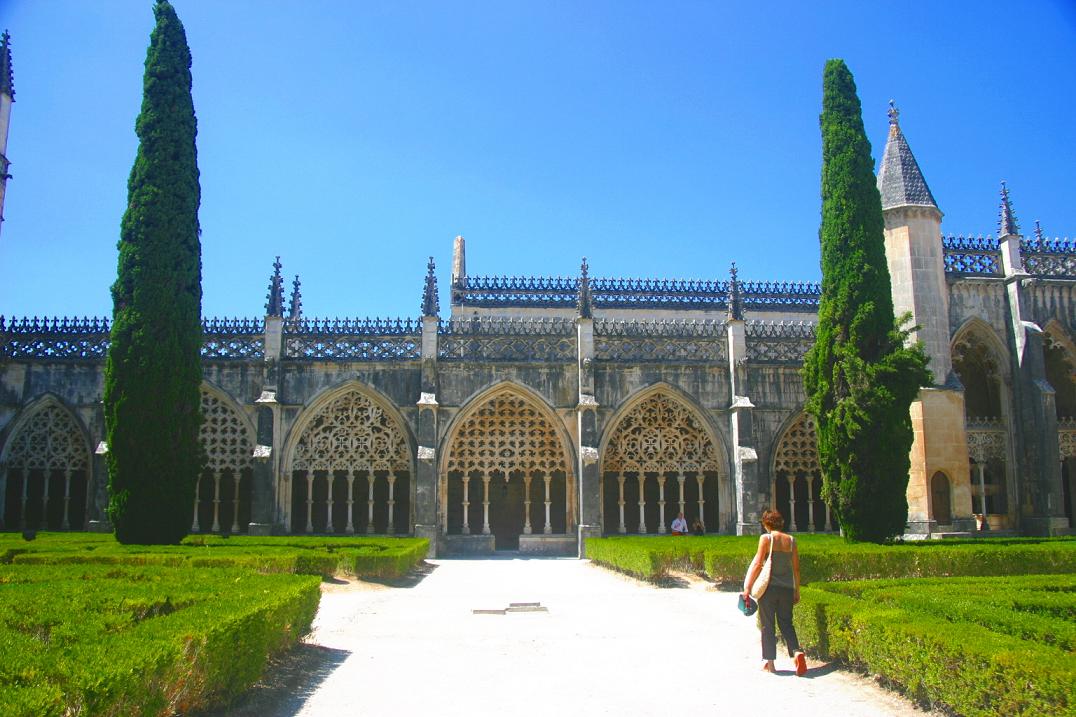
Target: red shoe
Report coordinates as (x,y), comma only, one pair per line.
(801,664)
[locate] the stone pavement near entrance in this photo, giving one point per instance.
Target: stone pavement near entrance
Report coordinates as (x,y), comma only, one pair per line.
(607,645)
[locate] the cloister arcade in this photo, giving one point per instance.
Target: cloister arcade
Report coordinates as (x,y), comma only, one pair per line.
(222,493)
(981,362)
(507,471)
(45,469)
(797,479)
(661,457)
(349,468)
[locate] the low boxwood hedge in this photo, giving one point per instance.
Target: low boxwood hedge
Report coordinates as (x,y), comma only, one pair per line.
(141,640)
(360,556)
(927,638)
(828,557)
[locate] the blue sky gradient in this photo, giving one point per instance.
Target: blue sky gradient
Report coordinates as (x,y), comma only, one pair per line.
(657,139)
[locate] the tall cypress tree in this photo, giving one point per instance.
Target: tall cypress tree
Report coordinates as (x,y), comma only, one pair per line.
(153,370)
(860,377)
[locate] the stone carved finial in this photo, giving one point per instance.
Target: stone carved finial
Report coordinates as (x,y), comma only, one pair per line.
(1038,233)
(431,305)
(894,113)
(735,300)
(1007,220)
(295,306)
(583,300)
(274,305)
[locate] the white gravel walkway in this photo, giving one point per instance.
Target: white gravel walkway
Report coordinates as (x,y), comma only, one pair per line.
(607,645)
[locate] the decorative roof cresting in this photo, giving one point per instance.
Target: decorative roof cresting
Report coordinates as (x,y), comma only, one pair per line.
(900,181)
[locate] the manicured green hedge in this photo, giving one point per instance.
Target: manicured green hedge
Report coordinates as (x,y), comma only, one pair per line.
(978,646)
(360,556)
(827,557)
(126,640)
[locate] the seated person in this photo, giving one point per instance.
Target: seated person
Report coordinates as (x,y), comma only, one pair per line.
(679,526)
(698,528)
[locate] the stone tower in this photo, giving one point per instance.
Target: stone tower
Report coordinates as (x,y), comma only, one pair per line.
(7,96)
(940,470)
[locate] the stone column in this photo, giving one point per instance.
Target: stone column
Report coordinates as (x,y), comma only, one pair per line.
(680,478)
(642,502)
(216,502)
(750,499)
(810,502)
(661,503)
(195,528)
(370,478)
(527,478)
(263,479)
(330,478)
(237,479)
(466,529)
(309,501)
(701,478)
(97,508)
(66,525)
(588,466)
(485,504)
(548,502)
(620,502)
(427,483)
(391,529)
(792,503)
(350,527)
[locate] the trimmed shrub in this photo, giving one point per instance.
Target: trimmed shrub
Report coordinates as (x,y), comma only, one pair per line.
(106,640)
(925,648)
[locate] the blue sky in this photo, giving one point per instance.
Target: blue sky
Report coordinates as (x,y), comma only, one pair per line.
(658,139)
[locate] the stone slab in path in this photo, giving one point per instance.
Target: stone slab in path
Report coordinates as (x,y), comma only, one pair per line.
(544,637)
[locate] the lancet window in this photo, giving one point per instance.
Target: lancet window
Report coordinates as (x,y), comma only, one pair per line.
(47,472)
(351,470)
(662,461)
(507,473)
(797,482)
(222,493)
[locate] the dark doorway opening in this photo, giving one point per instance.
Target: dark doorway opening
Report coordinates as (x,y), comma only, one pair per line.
(506,510)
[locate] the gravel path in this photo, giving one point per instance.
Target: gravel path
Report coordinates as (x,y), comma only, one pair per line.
(605,644)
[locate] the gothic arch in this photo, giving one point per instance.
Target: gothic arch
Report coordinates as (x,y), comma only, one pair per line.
(509,439)
(796,489)
(348,434)
(46,456)
(227,437)
(657,434)
(983,363)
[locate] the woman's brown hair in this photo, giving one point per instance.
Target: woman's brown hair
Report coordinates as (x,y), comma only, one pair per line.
(772,520)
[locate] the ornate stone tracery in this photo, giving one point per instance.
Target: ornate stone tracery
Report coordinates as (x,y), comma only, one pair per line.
(661,435)
(507,433)
(798,449)
(224,435)
(352,433)
(49,440)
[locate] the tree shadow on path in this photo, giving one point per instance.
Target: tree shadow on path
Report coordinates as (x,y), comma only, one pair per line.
(287,684)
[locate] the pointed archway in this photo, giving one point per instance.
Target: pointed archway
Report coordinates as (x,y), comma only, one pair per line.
(46,470)
(506,473)
(797,478)
(661,451)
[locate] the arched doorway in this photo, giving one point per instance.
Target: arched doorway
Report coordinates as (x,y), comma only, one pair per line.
(797,479)
(661,459)
(46,471)
(507,473)
(222,493)
(350,469)
(940,495)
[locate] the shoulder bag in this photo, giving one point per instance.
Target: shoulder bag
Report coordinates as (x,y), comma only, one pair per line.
(763,580)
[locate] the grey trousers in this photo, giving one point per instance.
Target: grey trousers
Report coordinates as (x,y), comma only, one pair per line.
(776,603)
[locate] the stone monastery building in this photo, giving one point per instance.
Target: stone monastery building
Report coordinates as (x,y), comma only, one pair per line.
(540,410)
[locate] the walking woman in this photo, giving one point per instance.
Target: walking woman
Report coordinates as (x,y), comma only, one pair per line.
(782,593)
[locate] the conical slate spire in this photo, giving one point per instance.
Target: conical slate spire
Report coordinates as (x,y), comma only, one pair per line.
(1006,220)
(583,300)
(275,298)
(431,305)
(7,78)
(735,301)
(900,181)
(295,306)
